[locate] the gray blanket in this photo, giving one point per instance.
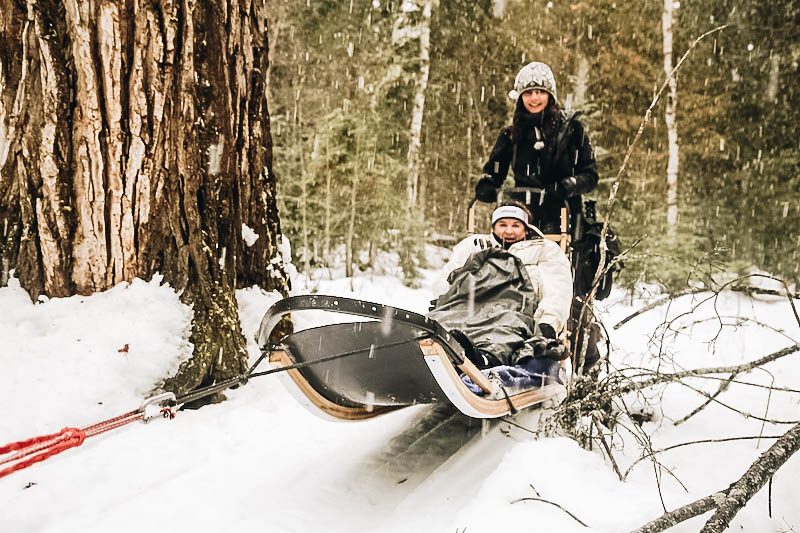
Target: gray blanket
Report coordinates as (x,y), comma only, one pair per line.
(491,299)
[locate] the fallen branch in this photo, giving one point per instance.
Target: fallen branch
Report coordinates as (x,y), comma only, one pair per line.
(680,515)
(738,369)
(722,388)
(662,301)
(771,292)
(729,501)
(791,296)
(608,387)
(751,482)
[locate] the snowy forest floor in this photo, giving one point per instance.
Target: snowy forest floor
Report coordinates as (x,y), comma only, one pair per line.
(261,462)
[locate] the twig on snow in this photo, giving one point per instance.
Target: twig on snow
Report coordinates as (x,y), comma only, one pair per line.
(533,499)
(608,451)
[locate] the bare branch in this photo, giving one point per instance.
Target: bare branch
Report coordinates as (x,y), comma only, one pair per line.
(751,482)
(735,410)
(722,388)
(532,499)
(738,369)
(680,515)
(729,501)
(771,292)
(608,451)
(662,301)
(729,439)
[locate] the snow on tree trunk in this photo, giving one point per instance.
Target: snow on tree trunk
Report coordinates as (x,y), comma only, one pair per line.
(135,141)
(670,120)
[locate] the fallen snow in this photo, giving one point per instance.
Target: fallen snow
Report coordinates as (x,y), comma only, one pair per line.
(261,462)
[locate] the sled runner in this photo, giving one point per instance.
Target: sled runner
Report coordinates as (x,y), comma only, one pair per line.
(359,370)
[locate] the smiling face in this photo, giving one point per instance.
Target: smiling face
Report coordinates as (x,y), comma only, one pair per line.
(535,100)
(510,230)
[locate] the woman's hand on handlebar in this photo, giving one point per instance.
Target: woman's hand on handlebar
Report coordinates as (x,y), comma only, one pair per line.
(486,190)
(564,188)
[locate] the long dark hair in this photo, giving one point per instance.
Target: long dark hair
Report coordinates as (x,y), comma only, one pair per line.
(549,120)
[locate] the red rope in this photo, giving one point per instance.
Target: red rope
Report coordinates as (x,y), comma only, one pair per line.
(48,445)
(51,444)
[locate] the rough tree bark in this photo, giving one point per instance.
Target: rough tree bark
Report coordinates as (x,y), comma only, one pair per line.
(135,140)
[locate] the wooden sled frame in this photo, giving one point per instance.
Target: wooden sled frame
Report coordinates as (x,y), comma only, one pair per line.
(563,239)
(441,352)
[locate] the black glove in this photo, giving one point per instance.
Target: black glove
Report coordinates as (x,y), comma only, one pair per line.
(569,186)
(485,190)
(563,189)
(545,343)
(545,330)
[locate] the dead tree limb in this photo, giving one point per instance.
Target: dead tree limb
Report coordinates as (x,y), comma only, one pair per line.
(722,388)
(661,301)
(738,369)
(771,292)
(751,482)
(680,515)
(728,502)
(607,448)
(734,409)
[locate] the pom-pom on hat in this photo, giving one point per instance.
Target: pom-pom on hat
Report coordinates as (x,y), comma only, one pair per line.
(535,75)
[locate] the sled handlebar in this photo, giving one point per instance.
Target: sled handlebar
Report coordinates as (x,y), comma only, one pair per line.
(350,306)
(533,196)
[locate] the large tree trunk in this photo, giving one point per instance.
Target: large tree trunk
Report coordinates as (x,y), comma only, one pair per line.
(137,142)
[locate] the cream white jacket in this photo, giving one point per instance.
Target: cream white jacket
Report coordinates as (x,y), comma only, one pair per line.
(547,266)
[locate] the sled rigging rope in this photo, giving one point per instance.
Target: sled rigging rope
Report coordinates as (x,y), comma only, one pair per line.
(36,449)
(27,452)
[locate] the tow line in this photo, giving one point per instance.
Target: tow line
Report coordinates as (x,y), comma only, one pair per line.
(24,453)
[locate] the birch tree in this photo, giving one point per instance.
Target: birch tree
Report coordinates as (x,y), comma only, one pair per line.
(136,141)
(416,28)
(670,120)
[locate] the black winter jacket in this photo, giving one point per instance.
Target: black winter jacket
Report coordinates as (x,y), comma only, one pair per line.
(572,156)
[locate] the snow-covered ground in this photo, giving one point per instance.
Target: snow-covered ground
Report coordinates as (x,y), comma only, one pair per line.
(261,462)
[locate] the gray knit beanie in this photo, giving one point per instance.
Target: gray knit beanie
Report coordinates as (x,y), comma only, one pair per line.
(534,75)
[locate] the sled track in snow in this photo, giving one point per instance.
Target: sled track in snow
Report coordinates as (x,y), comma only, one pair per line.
(388,475)
(428,442)
(443,455)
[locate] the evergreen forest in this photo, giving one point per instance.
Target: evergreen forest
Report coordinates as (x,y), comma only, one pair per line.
(383,113)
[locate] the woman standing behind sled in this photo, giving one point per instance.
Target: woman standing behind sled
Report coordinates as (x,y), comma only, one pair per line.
(545,146)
